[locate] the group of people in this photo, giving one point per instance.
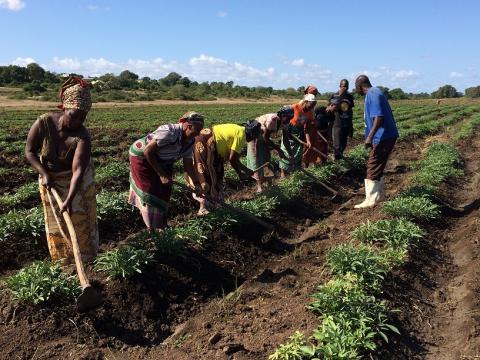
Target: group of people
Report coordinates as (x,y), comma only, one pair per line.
(59,149)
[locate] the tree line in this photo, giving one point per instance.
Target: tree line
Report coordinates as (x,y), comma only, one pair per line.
(128,86)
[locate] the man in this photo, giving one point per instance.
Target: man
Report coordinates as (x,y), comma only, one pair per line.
(380,136)
(341,104)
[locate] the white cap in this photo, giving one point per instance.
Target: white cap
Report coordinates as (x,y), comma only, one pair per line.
(309,97)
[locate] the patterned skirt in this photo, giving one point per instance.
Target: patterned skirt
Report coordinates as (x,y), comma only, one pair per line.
(258,154)
(208,164)
(296,147)
(84,216)
(147,193)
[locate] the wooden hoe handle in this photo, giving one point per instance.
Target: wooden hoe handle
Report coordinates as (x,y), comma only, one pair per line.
(73,237)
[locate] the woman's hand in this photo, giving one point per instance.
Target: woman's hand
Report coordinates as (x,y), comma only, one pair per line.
(66,206)
(47,181)
(165,180)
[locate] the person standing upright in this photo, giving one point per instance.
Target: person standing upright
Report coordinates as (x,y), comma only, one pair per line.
(341,104)
(380,136)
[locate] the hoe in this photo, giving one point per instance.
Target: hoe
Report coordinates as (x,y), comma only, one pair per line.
(89,298)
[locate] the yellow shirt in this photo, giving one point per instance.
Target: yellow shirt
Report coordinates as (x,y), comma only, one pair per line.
(229,137)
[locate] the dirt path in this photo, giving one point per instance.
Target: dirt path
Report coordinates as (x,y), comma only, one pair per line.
(455,322)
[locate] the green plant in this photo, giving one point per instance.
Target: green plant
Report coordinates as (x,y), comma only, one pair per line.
(261,206)
(112,171)
(167,242)
(112,204)
(23,193)
(397,233)
(439,163)
(123,262)
(412,208)
(357,158)
(21,223)
(295,348)
(364,261)
(42,280)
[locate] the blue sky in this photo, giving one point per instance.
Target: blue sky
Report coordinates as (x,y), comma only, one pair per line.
(416,45)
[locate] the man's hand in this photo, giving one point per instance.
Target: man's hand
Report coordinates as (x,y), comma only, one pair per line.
(47,181)
(368,143)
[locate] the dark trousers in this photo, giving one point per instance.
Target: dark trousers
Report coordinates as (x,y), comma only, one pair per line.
(339,137)
(377,159)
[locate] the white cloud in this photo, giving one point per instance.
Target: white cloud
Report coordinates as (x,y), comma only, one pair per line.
(455,74)
(222,14)
(298,62)
(66,64)
(14,5)
(20,61)
(92,7)
(385,73)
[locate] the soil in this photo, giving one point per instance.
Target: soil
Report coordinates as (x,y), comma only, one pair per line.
(245,292)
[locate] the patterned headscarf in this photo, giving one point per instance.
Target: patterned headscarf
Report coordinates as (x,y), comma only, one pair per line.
(311,89)
(191,117)
(75,94)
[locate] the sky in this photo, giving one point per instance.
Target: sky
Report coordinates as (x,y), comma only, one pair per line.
(412,44)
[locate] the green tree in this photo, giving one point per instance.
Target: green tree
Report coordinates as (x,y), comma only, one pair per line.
(397,94)
(171,79)
(36,72)
(473,91)
(446,91)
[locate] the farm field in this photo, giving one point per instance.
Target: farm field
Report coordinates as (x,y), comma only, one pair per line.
(224,288)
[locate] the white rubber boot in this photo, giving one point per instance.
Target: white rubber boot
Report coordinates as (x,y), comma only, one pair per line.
(372,194)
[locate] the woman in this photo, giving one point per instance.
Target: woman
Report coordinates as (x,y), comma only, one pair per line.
(212,148)
(59,149)
(151,167)
(313,139)
(302,126)
(258,150)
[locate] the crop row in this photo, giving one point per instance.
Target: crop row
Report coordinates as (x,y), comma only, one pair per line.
(352,317)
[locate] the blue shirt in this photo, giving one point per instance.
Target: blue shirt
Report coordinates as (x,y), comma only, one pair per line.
(376,104)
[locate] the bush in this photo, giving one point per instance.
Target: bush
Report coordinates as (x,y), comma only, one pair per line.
(412,208)
(42,280)
(357,158)
(123,262)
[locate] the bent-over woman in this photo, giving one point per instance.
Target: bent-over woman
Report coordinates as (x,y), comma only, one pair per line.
(151,167)
(258,150)
(213,147)
(59,149)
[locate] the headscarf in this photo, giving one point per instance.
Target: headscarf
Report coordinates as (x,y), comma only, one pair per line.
(75,94)
(191,117)
(252,129)
(311,89)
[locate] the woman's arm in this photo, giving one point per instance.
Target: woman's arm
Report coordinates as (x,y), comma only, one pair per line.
(32,147)
(81,159)
(242,171)
(150,155)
